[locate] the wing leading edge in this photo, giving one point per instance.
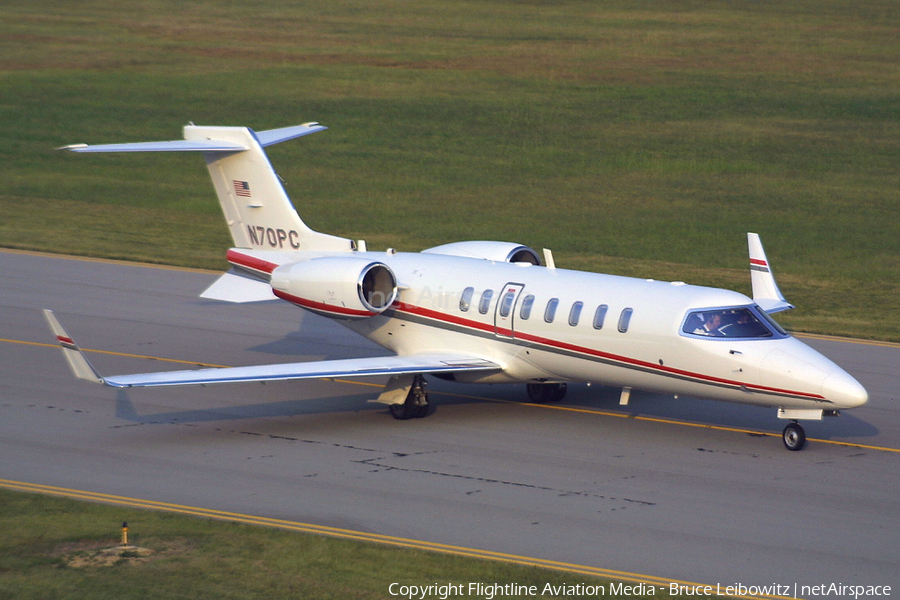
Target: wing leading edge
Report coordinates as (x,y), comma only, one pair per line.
(353,367)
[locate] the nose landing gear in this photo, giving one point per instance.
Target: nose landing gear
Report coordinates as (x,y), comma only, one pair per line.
(793,436)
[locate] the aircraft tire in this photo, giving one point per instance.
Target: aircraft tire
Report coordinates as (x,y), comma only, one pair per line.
(416,404)
(422,411)
(559,392)
(793,436)
(402,412)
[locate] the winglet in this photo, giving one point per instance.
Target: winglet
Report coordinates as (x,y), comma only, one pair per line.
(765,291)
(80,365)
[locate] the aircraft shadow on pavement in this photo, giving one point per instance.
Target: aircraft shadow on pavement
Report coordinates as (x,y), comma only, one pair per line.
(126,410)
(596,397)
(684,409)
(331,404)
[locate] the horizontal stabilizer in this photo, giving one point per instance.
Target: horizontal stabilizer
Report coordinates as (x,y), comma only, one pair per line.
(765,291)
(283,134)
(265,138)
(237,288)
(173,146)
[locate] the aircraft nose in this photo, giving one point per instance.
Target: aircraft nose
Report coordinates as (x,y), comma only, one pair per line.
(845,391)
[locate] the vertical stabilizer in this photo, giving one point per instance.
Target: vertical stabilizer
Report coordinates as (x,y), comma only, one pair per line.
(256,207)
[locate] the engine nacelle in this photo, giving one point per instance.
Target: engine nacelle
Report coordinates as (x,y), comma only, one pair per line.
(496,251)
(337,286)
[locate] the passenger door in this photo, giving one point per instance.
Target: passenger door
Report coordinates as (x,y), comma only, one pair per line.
(504,315)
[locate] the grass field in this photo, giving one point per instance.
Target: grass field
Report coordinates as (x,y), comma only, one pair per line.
(630,137)
(50,550)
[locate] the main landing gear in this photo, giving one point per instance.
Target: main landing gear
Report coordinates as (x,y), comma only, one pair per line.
(416,404)
(793,436)
(541,393)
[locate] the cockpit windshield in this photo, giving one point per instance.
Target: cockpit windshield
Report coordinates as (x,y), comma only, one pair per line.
(736,322)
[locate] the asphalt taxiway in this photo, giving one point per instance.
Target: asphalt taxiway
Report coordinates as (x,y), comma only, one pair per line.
(685,489)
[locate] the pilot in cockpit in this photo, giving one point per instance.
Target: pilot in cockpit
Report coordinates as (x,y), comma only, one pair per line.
(710,325)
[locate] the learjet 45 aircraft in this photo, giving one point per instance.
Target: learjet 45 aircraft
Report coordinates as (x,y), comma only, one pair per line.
(488,312)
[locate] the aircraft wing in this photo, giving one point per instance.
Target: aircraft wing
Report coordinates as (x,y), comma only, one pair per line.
(353,367)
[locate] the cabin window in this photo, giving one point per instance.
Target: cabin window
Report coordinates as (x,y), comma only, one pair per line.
(739,322)
(575,313)
(507,303)
(485,303)
(466,299)
(550,311)
(600,316)
(527,304)
(625,320)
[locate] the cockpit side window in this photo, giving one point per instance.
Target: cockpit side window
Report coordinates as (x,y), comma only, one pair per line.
(772,322)
(737,322)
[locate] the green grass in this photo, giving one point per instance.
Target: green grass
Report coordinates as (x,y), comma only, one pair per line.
(615,133)
(200,558)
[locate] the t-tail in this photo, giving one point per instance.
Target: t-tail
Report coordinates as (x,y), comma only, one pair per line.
(259,213)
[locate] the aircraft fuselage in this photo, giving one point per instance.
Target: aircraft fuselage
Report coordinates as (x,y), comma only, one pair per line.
(637,339)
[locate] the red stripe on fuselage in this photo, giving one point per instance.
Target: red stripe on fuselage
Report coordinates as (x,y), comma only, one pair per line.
(403,307)
(443,317)
(250,262)
(321,307)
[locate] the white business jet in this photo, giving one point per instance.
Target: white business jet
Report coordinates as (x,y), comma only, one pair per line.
(489,312)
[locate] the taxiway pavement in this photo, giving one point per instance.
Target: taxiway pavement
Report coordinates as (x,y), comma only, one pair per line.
(587,482)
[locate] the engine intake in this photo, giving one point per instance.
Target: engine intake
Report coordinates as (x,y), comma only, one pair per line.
(337,286)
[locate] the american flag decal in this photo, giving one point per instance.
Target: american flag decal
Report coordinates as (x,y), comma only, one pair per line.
(242,188)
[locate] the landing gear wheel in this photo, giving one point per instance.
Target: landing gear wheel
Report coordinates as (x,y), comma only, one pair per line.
(793,436)
(541,393)
(416,404)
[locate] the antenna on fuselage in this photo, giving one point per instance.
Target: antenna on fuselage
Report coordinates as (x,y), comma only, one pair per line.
(548,259)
